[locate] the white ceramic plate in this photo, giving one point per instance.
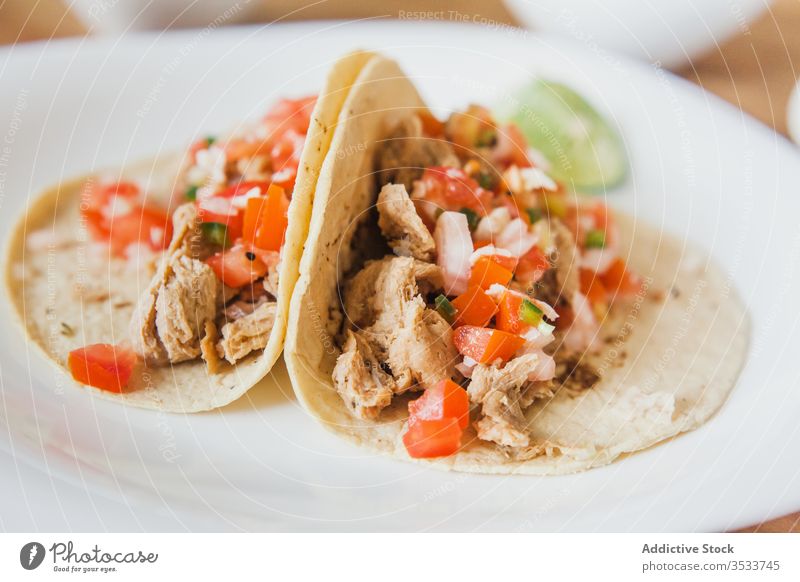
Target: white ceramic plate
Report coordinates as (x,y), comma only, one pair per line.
(700,169)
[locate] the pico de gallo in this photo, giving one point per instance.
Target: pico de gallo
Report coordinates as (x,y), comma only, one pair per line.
(240,187)
(521,262)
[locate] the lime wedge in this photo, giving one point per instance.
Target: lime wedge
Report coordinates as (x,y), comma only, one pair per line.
(583,149)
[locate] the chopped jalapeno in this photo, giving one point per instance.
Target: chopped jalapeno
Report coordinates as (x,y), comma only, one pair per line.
(595,239)
(191,193)
(210,139)
(486,180)
(215,233)
(530,313)
(534,214)
(445,308)
(472,218)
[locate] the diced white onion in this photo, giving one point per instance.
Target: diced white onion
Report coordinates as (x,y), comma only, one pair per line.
(217,205)
(493,224)
(488,251)
(516,238)
(240,201)
(453,248)
(582,331)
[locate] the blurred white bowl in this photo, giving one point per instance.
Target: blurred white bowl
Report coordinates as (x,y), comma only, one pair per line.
(115,16)
(670,32)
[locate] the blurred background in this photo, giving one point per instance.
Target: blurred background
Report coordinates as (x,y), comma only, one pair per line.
(744,51)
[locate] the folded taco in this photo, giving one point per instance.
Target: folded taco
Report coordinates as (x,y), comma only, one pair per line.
(456,304)
(166,285)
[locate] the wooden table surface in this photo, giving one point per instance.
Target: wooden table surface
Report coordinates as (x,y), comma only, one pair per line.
(755,70)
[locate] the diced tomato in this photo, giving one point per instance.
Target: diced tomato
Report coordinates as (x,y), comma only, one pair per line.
(509,263)
(120,229)
(433,438)
(487,271)
(474,307)
(431,126)
(265,219)
(290,114)
(96,225)
(286,154)
(103,366)
(222,211)
(453,189)
(95,197)
(144,225)
(445,399)
(509,317)
(485,345)
(509,202)
(618,280)
(237,266)
(592,286)
(239,149)
(532,265)
(512,148)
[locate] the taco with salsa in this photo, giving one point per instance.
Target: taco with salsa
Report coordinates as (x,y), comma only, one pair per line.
(166,284)
(459,306)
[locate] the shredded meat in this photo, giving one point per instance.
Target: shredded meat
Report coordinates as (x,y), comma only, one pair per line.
(406,153)
(271,280)
(248,333)
(385,285)
(418,345)
(560,283)
(186,300)
(383,302)
(171,315)
(208,349)
(504,394)
(402,226)
(363,385)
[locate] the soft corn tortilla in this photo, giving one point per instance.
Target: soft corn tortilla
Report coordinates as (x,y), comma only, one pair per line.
(70,295)
(669,359)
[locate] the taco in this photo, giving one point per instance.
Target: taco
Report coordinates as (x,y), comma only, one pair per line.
(459,306)
(166,285)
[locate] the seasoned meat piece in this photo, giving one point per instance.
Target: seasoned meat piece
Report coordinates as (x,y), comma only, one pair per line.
(248,333)
(208,348)
(171,315)
(363,385)
(385,285)
(184,303)
(402,226)
(560,283)
(271,280)
(418,345)
(504,394)
(406,153)
(384,304)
